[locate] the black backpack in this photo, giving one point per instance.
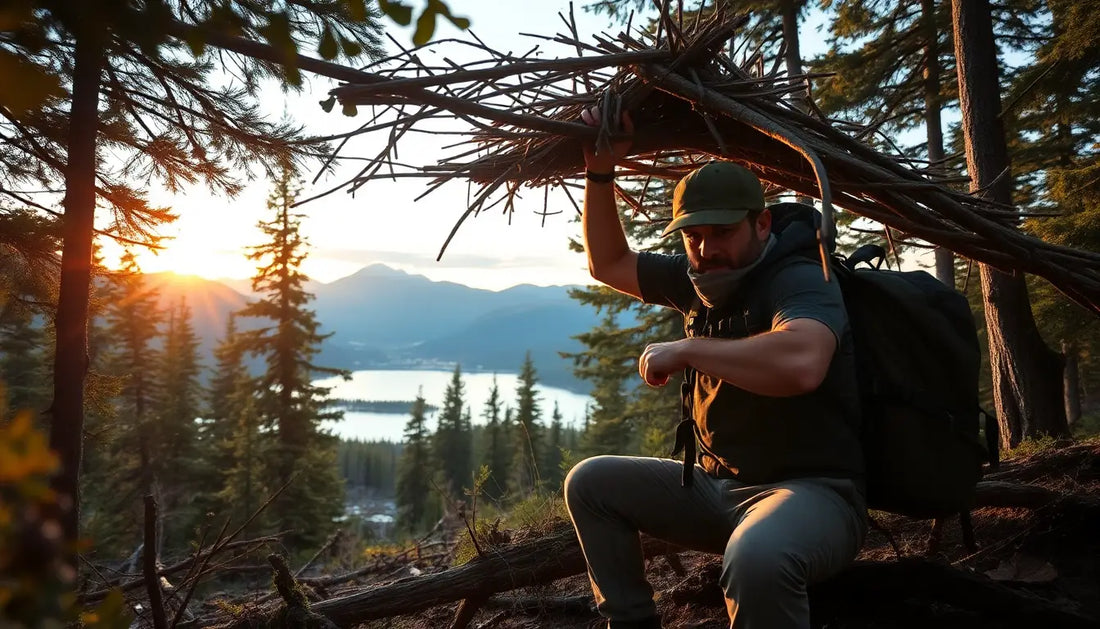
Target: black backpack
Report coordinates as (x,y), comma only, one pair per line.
(917,363)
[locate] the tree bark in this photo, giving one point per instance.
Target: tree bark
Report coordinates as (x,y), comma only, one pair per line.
(71,354)
(933,125)
(1071,382)
(1027,386)
(793,60)
(553,556)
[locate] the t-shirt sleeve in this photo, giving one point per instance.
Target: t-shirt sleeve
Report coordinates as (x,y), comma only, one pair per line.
(664,281)
(799,291)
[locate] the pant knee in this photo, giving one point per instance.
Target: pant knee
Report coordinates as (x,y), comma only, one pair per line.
(584,478)
(754,572)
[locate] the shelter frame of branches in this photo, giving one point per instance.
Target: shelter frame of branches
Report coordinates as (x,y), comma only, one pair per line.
(690,103)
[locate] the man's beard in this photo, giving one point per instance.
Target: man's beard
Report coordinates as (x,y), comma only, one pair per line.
(722,263)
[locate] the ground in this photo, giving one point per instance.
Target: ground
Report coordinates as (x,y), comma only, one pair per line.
(1051,553)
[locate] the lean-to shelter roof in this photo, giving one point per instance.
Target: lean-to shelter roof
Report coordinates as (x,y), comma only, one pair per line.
(690,103)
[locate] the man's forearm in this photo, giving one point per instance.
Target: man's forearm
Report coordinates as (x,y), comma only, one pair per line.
(780,363)
(604,240)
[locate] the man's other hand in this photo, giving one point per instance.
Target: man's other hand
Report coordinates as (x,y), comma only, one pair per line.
(603,161)
(661,360)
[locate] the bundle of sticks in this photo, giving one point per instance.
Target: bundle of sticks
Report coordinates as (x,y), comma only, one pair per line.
(690,103)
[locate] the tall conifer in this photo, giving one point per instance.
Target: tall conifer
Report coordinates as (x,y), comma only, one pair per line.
(177,411)
(303,456)
(528,431)
(451,444)
(498,445)
(415,498)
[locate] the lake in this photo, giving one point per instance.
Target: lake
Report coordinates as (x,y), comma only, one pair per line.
(404,384)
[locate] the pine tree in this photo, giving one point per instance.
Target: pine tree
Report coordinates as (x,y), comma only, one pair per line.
(528,431)
(303,457)
(1055,124)
(113,94)
(891,66)
(552,473)
(177,409)
(606,364)
(244,483)
(1027,383)
(23,370)
(135,459)
(498,445)
(218,428)
(451,444)
(414,497)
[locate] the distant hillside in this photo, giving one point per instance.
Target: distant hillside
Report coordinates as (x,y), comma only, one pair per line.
(211,304)
(384,318)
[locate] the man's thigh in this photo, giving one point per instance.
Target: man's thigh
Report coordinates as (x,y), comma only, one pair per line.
(645,494)
(803,521)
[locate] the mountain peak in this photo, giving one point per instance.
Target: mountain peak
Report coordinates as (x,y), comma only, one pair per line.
(379,269)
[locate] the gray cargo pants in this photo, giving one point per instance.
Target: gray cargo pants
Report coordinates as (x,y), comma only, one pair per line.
(774,539)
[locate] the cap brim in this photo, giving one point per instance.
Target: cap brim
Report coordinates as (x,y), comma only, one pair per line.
(706,217)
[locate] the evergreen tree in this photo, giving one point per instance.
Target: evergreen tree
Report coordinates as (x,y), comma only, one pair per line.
(1055,147)
(498,445)
(303,457)
(608,366)
(23,371)
(892,67)
(1027,382)
(414,493)
(178,408)
(528,431)
(218,428)
(136,459)
(452,444)
(113,94)
(28,293)
(245,481)
(552,473)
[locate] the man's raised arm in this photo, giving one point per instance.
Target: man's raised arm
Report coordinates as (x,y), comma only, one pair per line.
(610,259)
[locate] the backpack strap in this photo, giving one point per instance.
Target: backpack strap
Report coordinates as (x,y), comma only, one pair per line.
(686,430)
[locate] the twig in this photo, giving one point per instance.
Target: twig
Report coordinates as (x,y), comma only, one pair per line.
(149,560)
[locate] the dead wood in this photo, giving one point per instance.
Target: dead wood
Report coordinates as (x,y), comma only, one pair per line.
(553,556)
(1005,494)
(296,613)
(691,102)
(149,563)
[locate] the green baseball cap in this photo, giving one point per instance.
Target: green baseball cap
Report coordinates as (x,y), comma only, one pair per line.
(719,193)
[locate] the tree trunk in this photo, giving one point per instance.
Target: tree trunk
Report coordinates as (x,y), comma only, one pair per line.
(793,60)
(1071,382)
(945,259)
(71,356)
(1027,387)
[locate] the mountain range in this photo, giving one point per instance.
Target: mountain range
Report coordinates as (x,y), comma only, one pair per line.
(383,318)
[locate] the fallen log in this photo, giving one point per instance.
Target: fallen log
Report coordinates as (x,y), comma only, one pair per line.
(1003,494)
(553,556)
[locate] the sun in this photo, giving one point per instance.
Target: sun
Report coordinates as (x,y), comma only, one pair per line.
(185,257)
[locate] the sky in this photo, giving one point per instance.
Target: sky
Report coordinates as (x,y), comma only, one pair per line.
(382,222)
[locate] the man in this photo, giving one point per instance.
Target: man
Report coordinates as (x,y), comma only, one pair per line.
(771,388)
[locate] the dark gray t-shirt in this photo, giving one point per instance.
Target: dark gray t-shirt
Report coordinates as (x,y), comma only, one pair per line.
(760,438)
